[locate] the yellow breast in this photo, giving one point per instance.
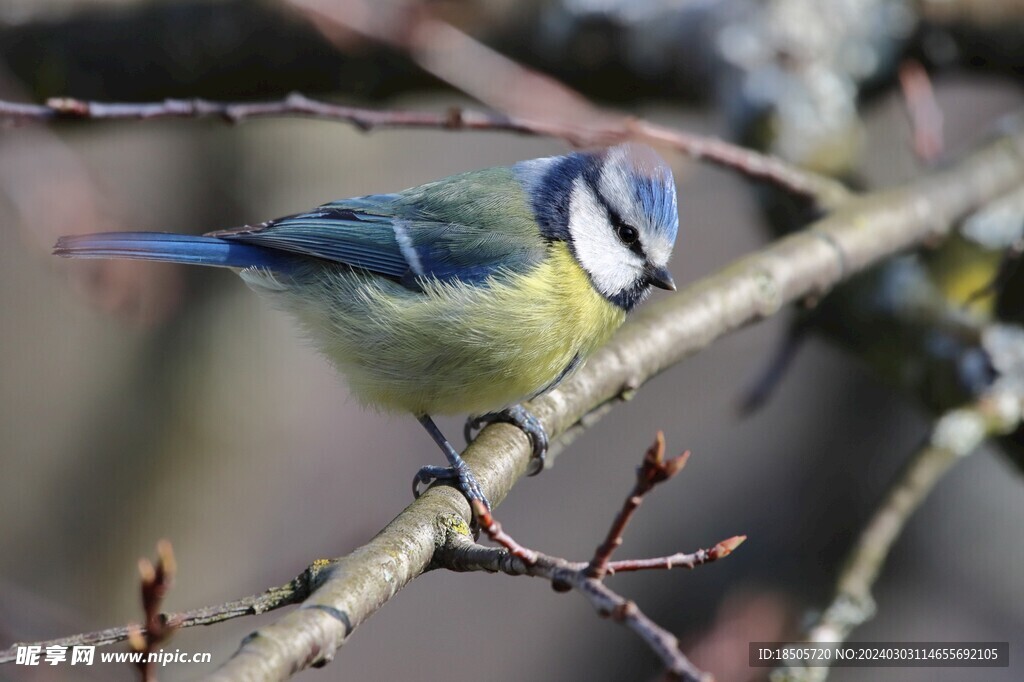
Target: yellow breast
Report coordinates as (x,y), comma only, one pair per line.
(460,348)
(539,324)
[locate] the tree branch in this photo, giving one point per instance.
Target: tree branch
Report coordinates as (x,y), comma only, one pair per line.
(859,235)
(462,554)
(274,598)
(603,131)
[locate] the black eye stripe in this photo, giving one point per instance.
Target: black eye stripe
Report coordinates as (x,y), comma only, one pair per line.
(619,226)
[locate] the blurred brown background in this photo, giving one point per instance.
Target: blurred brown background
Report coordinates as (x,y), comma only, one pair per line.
(147,401)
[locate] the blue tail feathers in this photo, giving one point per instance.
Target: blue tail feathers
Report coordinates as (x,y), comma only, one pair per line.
(173,248)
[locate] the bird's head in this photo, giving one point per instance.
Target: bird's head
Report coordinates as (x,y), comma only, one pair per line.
(616,209)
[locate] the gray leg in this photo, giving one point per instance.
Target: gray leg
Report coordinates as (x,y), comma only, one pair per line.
(457,470)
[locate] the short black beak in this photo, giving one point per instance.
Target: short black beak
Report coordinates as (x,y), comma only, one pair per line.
(660,277)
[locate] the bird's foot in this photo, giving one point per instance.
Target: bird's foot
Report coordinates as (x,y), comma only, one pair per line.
(521,417)
(459,475)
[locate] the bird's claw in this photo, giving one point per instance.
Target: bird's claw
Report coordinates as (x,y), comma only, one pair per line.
(461,477)
(519,416)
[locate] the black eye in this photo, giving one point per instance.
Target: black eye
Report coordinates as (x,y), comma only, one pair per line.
(628,234)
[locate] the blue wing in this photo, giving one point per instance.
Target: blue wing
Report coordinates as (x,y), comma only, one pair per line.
(464,228)
(349,232)
(454,229)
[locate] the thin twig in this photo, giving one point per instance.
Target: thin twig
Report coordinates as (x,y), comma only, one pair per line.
(955,435)
(680,560)
(651,472)
(825,192)
(490,526)
(156,581)
(460,554)
(609,131)
(298,589)
(295,104)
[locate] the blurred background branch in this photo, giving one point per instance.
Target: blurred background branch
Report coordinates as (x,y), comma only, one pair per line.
(956,435)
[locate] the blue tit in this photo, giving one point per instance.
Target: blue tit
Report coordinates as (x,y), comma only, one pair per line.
(464,295)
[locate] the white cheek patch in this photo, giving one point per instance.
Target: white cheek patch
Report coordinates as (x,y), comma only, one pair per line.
(611,266)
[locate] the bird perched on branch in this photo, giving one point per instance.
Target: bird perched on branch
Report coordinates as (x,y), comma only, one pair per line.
(464,295)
